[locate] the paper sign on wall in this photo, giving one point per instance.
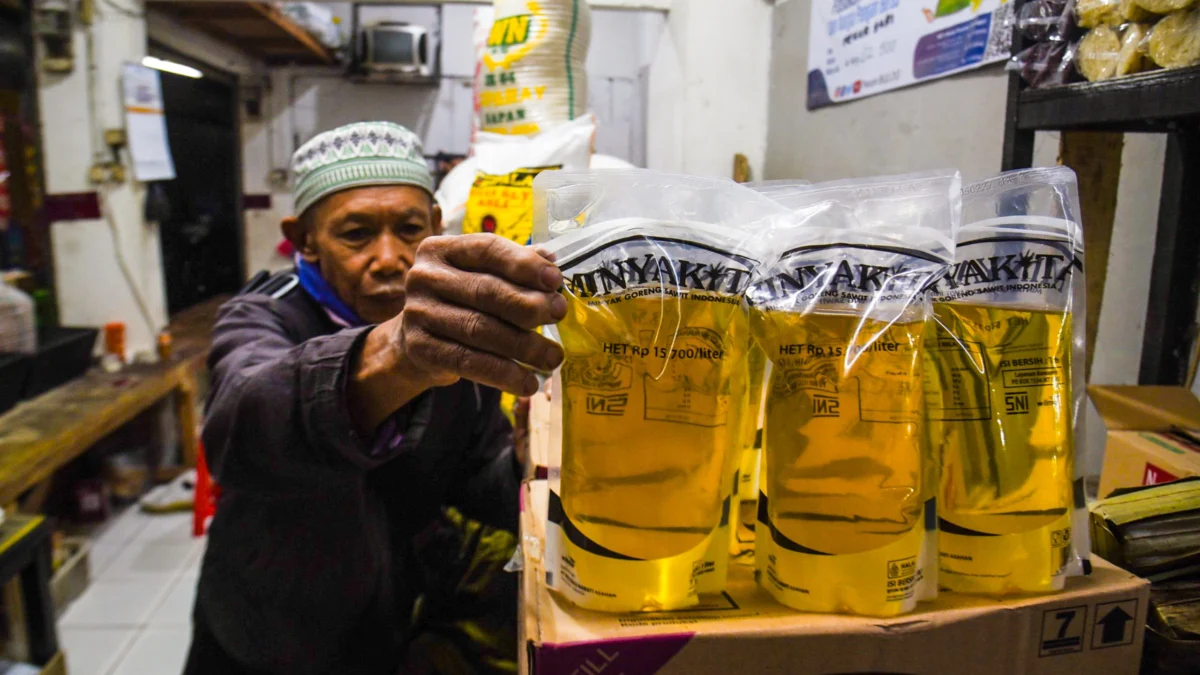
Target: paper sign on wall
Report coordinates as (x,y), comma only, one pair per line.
(858,48)
(146,125)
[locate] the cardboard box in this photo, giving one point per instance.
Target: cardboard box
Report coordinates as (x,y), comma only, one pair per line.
(1096,627)
(1153,435)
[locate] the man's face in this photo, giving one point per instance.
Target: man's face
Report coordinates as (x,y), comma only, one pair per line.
(364,240)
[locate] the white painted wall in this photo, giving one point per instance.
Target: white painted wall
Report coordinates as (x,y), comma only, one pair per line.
(91,289)
(708,87)
(959,122)
(305,101)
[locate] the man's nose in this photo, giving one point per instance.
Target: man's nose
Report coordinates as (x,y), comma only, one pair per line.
(392,256)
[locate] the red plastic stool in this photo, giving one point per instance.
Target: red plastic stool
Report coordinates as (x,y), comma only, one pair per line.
(207,491)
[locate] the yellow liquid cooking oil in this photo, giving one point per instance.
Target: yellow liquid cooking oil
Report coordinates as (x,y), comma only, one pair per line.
(746,486)
(653,387)
(844,451)
(999,416)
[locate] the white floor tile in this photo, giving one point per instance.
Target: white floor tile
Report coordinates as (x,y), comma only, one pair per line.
(123,527)
(157,651)
(94,651)
(176,609)
(100,556)
(116,604)
(193,565)
(167,528)
(142,560)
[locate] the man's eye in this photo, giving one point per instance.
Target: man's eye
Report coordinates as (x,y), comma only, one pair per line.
(412,229)
(357,234)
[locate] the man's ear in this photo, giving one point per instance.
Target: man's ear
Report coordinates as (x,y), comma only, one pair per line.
(298,235)
(438,226)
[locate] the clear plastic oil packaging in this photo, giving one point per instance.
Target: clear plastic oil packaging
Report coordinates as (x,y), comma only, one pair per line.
(1006,390)
(746,486)
(650,398)
(846,504)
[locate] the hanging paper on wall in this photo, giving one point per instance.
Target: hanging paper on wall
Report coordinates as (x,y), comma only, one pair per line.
(857,48)
(146,125)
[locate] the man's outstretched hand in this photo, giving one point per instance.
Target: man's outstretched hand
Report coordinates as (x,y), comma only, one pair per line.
(472,304)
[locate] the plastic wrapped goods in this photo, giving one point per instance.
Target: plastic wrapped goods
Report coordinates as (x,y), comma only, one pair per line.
(18,327)
(1165,6)
(649,400)
(533,67)
(846,505)
(1045,64)
(1006,389)
(500,200)
(1135,40)
(1108,51)
(1045,20)
(1175,41)
(1093,13)
(1131,11)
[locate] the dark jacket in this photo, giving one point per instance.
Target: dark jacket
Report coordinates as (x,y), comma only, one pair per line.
(309,554)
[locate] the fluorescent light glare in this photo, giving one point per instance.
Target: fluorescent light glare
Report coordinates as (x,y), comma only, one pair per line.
(171,67)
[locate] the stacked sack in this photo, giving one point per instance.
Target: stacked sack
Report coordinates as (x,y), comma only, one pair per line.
(530,103)
(533,65)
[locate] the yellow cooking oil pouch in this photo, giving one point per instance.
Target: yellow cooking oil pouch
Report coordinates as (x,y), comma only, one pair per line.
(746,485)
(846,508)
(1006,389)
(650,399)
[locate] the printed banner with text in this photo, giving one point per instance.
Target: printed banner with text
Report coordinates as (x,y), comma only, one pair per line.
(858,48)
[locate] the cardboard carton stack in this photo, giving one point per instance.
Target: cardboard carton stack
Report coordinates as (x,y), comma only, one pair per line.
(1095,627)
(1153,435)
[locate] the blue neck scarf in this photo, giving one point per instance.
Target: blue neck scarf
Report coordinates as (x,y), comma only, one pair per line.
(320,290)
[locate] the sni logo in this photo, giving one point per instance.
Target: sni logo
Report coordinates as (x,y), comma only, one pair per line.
(825,406)
(598,404)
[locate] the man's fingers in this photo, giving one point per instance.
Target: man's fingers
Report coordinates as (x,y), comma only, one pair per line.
(498,256)
(489,334)
(473,364)
(522,307)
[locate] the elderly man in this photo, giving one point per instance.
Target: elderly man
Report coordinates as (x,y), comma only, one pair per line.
(351,400)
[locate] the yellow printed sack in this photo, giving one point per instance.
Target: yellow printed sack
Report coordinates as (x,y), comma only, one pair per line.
(501,198)
(532,72)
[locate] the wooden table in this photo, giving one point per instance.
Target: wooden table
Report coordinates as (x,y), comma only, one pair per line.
(41,435)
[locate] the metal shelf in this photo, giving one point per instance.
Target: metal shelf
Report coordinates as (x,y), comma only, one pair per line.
(1164,101)
(1153,101)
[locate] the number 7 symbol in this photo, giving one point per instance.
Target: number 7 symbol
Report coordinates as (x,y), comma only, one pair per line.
(1067,618)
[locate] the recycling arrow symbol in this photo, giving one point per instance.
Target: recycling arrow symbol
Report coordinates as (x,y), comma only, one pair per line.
(1113,626)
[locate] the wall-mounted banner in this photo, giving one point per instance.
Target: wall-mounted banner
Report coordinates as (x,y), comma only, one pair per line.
(858,48)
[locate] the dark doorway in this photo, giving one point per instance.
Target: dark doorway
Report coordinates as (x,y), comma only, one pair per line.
(201,219)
